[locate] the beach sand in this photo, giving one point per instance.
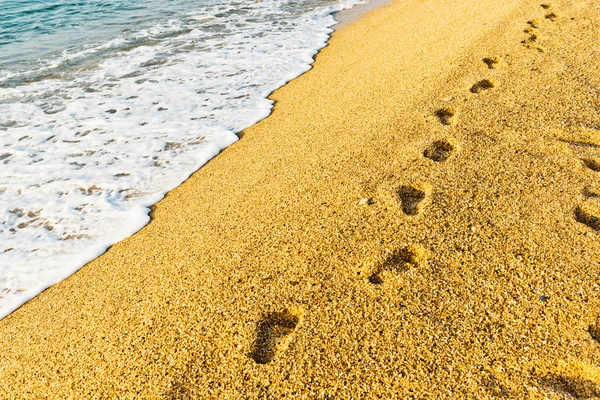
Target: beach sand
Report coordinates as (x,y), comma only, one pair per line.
(418,218)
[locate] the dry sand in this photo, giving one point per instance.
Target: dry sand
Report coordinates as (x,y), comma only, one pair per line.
(418,218)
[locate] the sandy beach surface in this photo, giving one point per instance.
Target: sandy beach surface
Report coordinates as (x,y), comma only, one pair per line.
(418,218)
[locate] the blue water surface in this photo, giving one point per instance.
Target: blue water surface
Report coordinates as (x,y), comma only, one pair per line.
(33,30)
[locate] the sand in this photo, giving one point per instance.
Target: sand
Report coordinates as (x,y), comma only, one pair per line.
(418,218)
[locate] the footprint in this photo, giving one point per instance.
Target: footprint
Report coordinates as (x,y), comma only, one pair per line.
(552,16)
(531,43)
(546,5)
(533,46)
(588,214)
(273,334)
(440,150)
(414,198)
(483,85)
(534,23)
(594,331)
(398,261)
(592,163)
(446,115)
(530,40)
(492,62)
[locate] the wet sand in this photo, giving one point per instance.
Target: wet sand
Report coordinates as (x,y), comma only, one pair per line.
(418,218)
(349,15)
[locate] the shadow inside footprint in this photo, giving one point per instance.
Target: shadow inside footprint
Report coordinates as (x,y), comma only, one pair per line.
(413,198)
(586,216)
(594,331)
(271,334)
(375,278)
(530,40)
(439,151)
(592,164)
(446,115)
(398,261)
(483,85)
(492,62)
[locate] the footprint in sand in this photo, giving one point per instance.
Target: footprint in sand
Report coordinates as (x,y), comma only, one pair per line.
(396,262)
(585,144)
(551,16)
(492,62)
(414,198)
(273,333)
(446,115)
(586,141)
(531,43)
(589,215)
(594,331)
(440,150)
(530,40)
(592,163)
(483,85)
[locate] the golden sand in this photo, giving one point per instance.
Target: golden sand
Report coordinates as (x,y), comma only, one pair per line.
(359,244)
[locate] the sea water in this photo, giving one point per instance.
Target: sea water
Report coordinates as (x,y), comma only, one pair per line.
(105,105)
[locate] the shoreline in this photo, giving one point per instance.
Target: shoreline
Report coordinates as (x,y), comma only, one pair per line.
(75,258)
(414,218)
(350,15)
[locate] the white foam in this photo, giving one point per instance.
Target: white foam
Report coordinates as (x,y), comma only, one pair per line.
(84,157)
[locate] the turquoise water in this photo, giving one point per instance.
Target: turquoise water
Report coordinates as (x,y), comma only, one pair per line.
(34,30)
